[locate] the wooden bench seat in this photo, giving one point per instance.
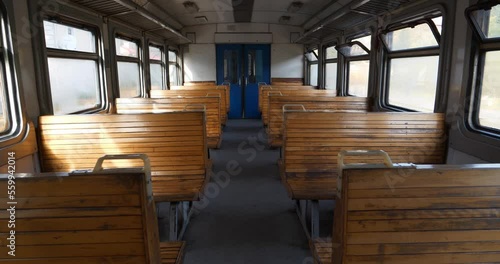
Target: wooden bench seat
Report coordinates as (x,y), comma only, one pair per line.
(85,218)
(172,252)
(314,139)
(322,249)
(225,88)
(299,101)
(175,143)
(200,83)
(423,214)
(262,88)
(172,104)
(266,93)
(159,94)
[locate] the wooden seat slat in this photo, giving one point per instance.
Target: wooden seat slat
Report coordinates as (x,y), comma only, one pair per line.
(294,94)
(85,218)
(202,92)
(179,160)
(436,214)
(205,88)
(313,139)
(265,89)
(322,250)
(318,101)
(172,104)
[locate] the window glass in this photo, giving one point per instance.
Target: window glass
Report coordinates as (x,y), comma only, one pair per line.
(488,21)
(74,79)
(156,77)
(126,48)
(420,36)
(129,79)
(413,82)
(4,116)
(313,74)
(59,36)
(331,76)
(312,56)
(366,41)
(230,66)
(173,71)
(74,84)
(331,53)
(172,56)
(353,50)
(438,21)
(358,78)
(155,53)
(489,105)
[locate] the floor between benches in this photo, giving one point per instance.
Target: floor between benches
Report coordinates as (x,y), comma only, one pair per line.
(172,252)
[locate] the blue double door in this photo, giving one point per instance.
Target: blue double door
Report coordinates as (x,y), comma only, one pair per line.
(244,67)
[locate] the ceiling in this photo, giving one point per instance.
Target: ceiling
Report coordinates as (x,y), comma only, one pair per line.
(230,11)
(319,18)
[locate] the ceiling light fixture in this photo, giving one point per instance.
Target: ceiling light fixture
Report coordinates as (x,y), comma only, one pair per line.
(295,6)
(191,7)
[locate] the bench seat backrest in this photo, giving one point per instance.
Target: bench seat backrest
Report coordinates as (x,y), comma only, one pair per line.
(262,88)
(173,104)
(297,93)
(101,218)
(312,139)
(428,214)
(174,142)
(317,102)
(160,94)
(225,88)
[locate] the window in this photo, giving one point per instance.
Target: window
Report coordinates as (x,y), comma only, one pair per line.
(10,107)
(174,68)
(331,68)
(485,20)
(73,64)
(413,64)
(312,66)
(129,67)
(156,67)
(4,112)
(357,54)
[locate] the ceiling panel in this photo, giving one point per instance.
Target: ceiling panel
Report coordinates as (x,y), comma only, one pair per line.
(380,6)
(138,21)
(346,17)
(221,11)
(105,7)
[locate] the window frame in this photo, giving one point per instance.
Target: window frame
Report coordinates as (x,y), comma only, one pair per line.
(331,61)
(347,60)
(410,53)
(480,46)
(161,62)
(310,63)
(139,60)
(16,125)
(177,66)
(77,55)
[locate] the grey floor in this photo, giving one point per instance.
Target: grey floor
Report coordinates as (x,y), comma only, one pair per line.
(246,216)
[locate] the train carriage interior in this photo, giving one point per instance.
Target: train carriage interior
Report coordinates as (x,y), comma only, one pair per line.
(249,131)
